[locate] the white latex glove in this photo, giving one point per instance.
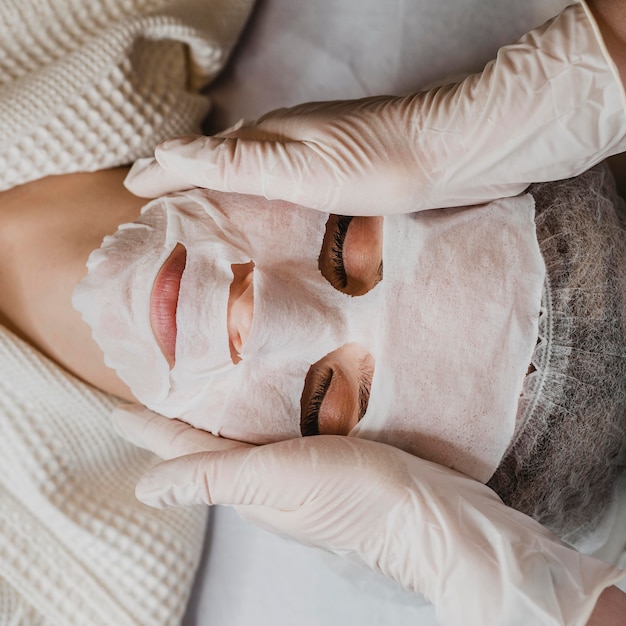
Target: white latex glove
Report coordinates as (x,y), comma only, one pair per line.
(430,528)
(549,107)
(166,437)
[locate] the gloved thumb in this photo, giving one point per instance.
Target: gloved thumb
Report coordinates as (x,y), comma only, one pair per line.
(147,179)
(242,476)
(167,438)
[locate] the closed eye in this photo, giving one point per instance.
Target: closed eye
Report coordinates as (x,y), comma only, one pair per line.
(336,391)
(339,238)
(351,254)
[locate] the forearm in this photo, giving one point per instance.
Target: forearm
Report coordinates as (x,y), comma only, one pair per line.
(610,16)
(610,609)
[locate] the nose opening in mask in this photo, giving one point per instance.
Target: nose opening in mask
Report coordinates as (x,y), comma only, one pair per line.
(336,391)
(240,308)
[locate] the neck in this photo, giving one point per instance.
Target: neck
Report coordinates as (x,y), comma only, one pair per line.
(47,230)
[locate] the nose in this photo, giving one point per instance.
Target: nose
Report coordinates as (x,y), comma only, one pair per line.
(240,307)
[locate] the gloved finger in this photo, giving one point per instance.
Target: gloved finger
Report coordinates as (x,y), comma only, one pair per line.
(288,170)
(310,120)
(203,478)
(272,126)
(167,438)
(232,131)
(280,475)
(147,179)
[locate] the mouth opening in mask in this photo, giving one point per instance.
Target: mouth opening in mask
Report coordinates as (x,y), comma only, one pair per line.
(164,302)
(336,391)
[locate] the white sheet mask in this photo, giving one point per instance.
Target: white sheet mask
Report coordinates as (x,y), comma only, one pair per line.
(466,291)
(451,326)
(114,299)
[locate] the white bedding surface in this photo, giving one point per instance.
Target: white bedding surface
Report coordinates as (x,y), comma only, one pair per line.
(299,50)
(293,51)
(249,577)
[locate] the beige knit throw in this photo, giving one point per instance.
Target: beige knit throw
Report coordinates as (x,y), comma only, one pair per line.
(92,84)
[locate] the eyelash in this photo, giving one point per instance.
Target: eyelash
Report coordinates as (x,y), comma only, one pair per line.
(309,425)
(339,237)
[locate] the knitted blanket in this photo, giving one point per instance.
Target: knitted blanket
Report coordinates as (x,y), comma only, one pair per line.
(87,85)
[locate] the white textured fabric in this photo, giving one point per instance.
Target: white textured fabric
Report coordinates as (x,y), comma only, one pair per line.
(75,546)
(91,84)
(86,85)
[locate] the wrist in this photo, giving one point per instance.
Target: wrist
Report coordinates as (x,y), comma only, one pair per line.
(610,608)
(610,18)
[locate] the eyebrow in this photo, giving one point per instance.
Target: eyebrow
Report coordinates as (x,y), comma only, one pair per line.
(365,385)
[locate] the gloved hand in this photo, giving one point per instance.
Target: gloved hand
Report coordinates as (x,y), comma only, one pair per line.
(549,107)
(167,438)
(430,528)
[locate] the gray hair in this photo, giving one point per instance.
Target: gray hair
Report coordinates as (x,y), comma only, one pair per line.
(569,446)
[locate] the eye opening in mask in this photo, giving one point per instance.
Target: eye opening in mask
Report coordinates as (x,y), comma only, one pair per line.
(336,391)
(351,254)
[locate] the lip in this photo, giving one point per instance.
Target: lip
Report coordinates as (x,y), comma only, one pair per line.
(164,302)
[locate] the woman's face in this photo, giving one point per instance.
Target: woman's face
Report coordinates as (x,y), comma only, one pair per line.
(262,321)
(200,280)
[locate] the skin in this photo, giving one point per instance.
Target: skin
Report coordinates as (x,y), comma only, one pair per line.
(47,230)
(362,254)
(164,297)
(610,16)
(240,307)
